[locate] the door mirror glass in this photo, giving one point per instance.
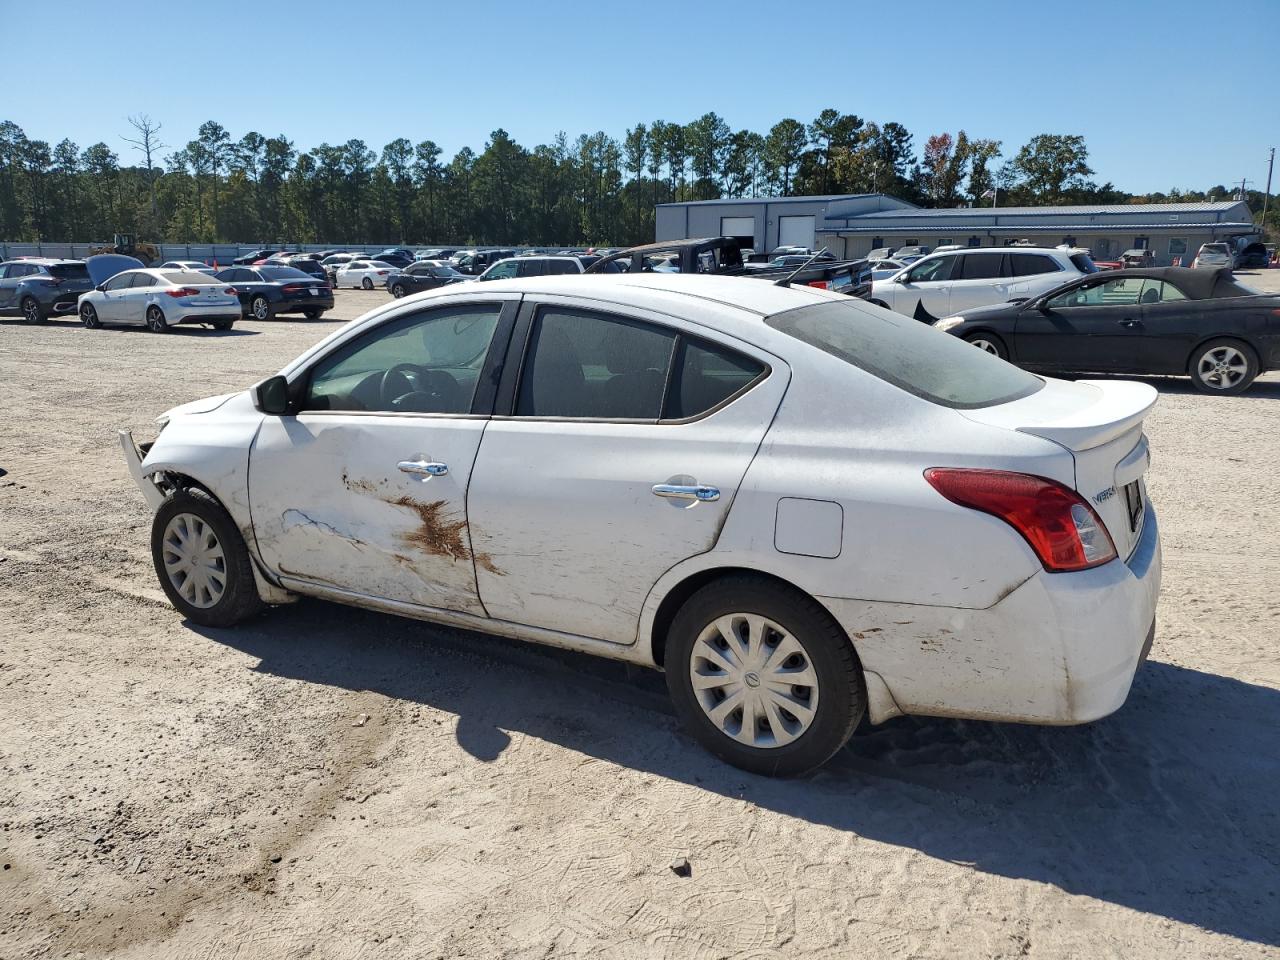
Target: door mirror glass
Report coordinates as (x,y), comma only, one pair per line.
(271,396)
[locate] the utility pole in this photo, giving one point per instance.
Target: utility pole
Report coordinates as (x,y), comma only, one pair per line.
(1266,197)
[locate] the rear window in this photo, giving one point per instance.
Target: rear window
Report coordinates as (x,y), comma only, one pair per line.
(1215,247)
(282,273)
(1030,264)
(189,278)
(914,357)
(69,271)
(1084,263)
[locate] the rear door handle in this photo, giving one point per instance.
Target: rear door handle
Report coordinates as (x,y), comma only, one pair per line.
(1126,322)
(423,468)
(694,492)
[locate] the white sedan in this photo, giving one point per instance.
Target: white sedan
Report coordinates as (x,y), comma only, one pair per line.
(199,266)
(364,273)
(160,299)
(803,507)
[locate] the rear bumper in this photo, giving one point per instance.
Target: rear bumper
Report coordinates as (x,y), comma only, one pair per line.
(1057,649)
(298,304)
(198,313)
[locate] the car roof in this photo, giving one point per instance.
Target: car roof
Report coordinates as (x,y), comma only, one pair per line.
(1196,284)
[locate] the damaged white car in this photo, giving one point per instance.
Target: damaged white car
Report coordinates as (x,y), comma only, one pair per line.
(803,507)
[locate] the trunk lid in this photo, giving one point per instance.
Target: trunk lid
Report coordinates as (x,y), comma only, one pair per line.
(1100,423)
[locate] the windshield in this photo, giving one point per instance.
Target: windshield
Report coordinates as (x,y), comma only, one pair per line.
(69,271)
(916,358)
(189,278)
(283,273)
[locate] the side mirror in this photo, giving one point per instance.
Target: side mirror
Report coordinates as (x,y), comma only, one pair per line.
(271,396)
(101,288)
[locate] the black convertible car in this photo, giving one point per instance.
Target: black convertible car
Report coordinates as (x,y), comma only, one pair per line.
(1162,320)
(424,275)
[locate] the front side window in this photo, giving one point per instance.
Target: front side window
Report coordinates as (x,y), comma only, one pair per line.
(502,271)
(912,356)
(587,365)
(1106,293)
(421,363)
(980,266)
(939,268)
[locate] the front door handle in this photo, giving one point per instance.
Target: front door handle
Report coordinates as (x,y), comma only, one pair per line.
(678,491)
(1127,322)
(423,468)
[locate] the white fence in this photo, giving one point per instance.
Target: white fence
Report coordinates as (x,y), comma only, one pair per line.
(208,252)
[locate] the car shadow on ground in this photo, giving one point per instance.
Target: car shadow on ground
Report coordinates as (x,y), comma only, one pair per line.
(1169,807)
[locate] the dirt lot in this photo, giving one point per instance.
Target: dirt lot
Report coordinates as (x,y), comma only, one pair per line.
(171,792)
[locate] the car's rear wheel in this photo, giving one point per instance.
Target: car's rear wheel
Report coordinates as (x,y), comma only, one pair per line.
(32,312)
(989,343)
(1223,366)
(156,322)
(223,324)
(89,316)
(313,313)
(366,283)
(398,290)
(202,561)
(260,308)
(763,676)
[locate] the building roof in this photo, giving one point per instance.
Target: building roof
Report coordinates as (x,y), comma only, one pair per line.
(857,225)
(1083,210)
(743,200)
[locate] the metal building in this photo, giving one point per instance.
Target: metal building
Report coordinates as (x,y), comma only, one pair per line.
(853,225)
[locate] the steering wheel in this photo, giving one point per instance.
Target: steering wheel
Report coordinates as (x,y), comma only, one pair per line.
(397,382)
(428,391)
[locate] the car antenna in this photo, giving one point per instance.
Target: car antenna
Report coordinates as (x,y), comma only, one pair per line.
(786,281)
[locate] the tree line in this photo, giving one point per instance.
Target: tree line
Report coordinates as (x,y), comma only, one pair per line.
(592,189)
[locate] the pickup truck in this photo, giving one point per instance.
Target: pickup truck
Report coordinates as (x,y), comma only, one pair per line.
(723,256)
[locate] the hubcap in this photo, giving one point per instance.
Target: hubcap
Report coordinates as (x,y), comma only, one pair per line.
(194,561)
(1223,367)
(87,316)
(985,345)
(154,320)
(754,680)
(260,309)
(32,311)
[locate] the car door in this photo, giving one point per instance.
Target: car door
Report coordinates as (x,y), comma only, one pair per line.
(979,280)
(112,306)
(10,275)
(363,488)
(924,291)
(1172,325)
(135,299)
(1094,325)
(621,442)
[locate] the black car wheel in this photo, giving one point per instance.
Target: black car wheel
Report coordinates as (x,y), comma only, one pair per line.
(1223,366)
(260,308)
(367,283)
(989,343)
(32,312)
(156,322)
(313,313)
(398,290)
(223,324)
(89,317)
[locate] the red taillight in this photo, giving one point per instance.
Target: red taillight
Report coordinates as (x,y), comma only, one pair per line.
(820,284)
(294,287)
(1055,521)
(383,273)
(231,290)
(183,292)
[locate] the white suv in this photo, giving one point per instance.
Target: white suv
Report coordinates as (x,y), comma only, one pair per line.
(945,283)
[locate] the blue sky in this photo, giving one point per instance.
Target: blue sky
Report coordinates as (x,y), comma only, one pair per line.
(1168,94)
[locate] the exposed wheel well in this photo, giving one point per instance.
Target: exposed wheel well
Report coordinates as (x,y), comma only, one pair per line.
(1257,356)
(677,596)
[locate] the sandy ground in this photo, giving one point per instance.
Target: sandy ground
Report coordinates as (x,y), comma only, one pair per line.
(172,792)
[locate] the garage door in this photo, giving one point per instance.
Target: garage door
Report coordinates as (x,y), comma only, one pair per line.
(795,232)
(742,229)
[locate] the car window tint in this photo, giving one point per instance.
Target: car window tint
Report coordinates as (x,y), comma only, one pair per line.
(502,271)
(980,266)
(143,280)
(1169,292)
(1119,292)
(706,375)
(120,281)
(910,355)
(421,363)
(582,364)
(1030,264)
(939,268)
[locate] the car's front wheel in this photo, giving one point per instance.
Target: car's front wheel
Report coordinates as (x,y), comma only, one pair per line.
(32,312)
(989,343)
(398,290)
(202,561)
(89,316)
(1223,366)
(763,676)
(156,322)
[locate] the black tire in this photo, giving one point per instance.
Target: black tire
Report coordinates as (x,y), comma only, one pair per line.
(260,308)
(239,600)
(989,342)
(841,689)
(32,312)
(398,290)
(223,324)
(156,322)
(313,313)
(1210,380)
(366,283)
(89,317)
